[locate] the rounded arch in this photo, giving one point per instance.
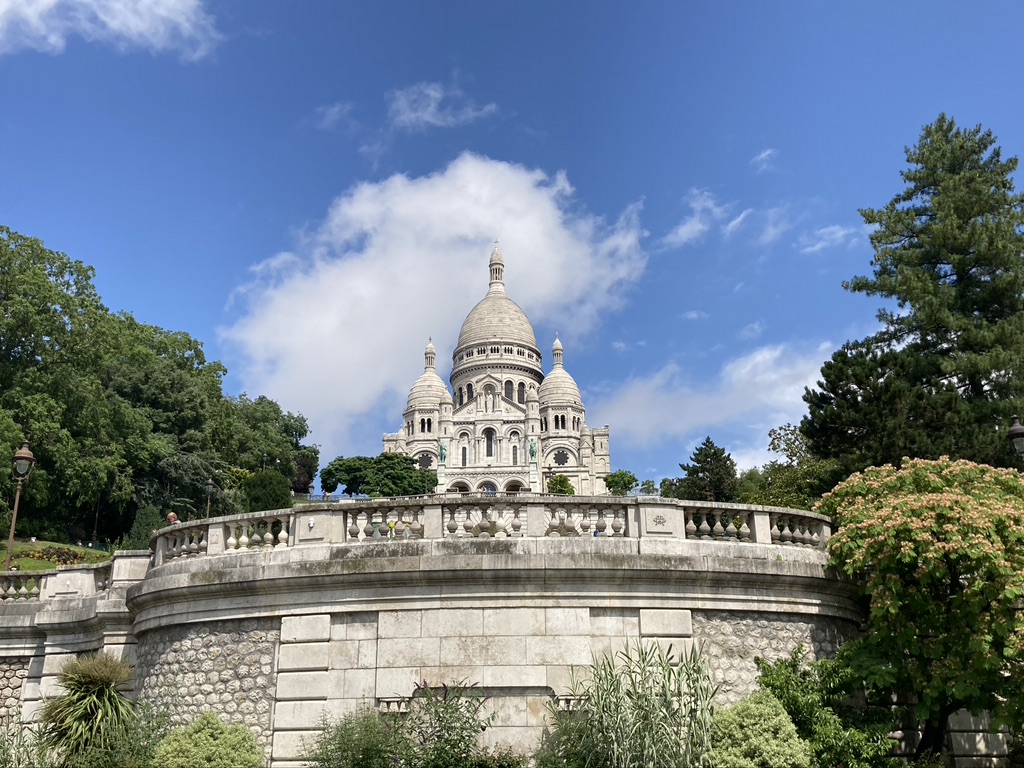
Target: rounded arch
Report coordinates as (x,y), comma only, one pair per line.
(514,486)
(489,440)
(487,486)
(459,487)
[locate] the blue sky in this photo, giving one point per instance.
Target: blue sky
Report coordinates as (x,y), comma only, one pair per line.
(312,188)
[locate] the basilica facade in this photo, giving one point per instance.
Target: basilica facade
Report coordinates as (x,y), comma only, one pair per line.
(504,426)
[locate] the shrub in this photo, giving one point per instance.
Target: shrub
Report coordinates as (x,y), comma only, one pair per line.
(361,739)
(756,732)
(91,709)
(131,745)
(209,743)
(642,708)
(443,726)
(268,490)
(147,519)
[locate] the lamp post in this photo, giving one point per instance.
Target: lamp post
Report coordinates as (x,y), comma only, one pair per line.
(209,495)
(1016,435)
(23,463)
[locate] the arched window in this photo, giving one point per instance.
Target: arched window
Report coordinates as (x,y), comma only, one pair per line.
(522,392)
(469,392)
(423,425)
(462,400)
(489,438)
(515,455)
(464,454)
(508,389)
(430,426)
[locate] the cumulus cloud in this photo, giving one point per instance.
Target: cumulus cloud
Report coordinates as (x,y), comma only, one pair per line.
(764,161)
(827,237)
(704,210)
(765,386)
(156,25)
(433,105)
(336,327)
(695,314)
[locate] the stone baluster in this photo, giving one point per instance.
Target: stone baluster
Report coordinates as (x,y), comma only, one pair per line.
(718,532)
(691,527)
(602,524)
(618,522)
(730,529)
(353,525)
(704,530)
(517,523)
(744,532)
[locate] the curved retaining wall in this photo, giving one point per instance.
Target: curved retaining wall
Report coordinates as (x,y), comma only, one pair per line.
(275,619)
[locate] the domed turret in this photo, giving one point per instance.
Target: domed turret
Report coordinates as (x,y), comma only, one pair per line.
(558,387)
(428,390)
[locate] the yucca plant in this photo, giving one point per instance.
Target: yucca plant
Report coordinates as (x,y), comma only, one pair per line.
(641,708)
(92,708)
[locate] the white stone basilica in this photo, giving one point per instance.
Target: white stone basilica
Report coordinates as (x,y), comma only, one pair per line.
(507,427)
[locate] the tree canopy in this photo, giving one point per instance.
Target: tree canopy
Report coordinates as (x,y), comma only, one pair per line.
(711,476)
(390,474)
(621,482)
(120,415)
(561,484)
(938,547)
(945,371)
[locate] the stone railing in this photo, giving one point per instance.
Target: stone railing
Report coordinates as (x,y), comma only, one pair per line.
(63,581)
(491,516)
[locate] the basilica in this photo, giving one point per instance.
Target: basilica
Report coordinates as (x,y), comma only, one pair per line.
(503,426)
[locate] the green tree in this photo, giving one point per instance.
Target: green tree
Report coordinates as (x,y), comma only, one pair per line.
(938,548)
(561,484)
(948,365)
(797,480)
(268,490)
(648,488)
(756,732)
(209,743)
(621,482)
(390,474)
(710,477)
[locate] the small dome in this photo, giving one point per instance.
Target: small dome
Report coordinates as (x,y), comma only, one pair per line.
(558,387)
(428,390)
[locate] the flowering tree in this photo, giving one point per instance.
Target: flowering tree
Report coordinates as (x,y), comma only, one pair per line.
(939,549)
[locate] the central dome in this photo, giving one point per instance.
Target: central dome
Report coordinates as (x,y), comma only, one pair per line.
(496,317)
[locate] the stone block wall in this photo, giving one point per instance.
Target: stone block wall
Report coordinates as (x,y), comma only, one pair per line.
(13,673)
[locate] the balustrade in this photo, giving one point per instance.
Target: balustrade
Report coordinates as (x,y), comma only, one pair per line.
(15,585)
(572,520)
(484,521)
(384,524)
(717,523)
(795,530)
(185,541)
(269,530)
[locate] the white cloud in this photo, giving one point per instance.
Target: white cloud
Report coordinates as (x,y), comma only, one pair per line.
(695,314)
(433,105)
(827,237)
(764,161)
(703,212)
(336,329)
(331,116)
(765,386)
(752,330)
(156,25)
(729,229)
(776,226)
(620,346)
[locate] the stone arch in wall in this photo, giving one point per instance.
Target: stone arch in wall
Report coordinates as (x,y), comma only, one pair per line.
(459,487)
(487,486)
(514,486)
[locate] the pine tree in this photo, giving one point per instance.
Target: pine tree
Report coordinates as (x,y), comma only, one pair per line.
(710,477)
(944,371)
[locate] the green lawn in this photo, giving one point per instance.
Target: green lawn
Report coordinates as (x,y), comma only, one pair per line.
(25,562)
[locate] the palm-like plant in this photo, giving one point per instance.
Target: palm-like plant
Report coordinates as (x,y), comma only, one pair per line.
(92,708)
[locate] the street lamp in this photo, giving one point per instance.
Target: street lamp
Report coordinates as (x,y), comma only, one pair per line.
(209,495)
(1016,435)
(23,463)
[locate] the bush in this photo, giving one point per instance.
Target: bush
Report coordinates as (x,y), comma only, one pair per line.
(131,745)
(756,732)
(147,520)
(642,708)
(268,490)
(92,708)
(209,743)
(443,726)
(817,697)
(361,739)
(20,746)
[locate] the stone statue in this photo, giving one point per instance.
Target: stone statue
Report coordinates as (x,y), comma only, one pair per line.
(533,449)
(443,450)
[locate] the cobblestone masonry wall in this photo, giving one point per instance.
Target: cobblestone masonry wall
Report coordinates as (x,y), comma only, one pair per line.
(227,668)
(13,672)
(733,640)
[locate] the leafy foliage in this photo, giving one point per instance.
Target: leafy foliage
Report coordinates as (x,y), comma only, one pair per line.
(710,477)
(816,697)
(91,709)
(938,547)
(948,365)
(130,745)
(648,488)
(120,414)
(756,732)
(361,739)
(268,490)
(621,482)
(797,481)
(561,484)
(642,708)
(390,474)
(20,745)
(209,743)
(147,520)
